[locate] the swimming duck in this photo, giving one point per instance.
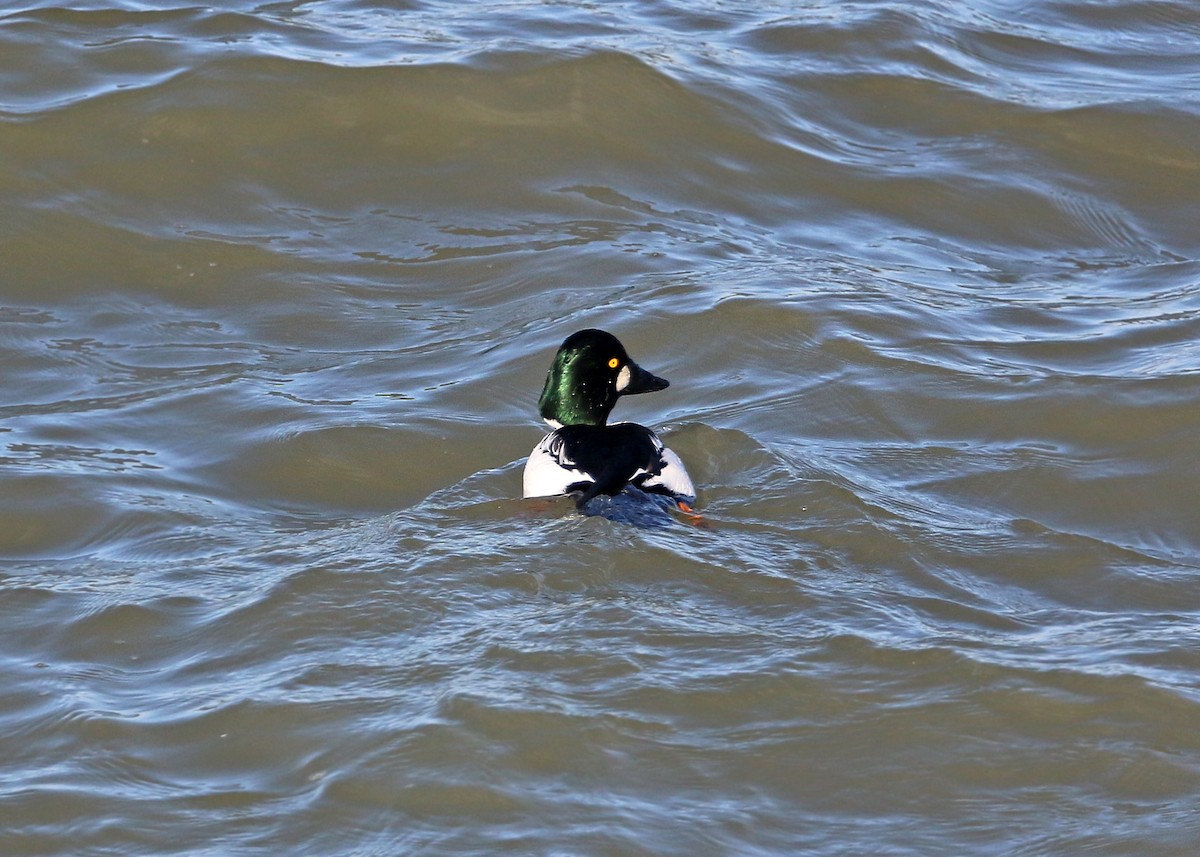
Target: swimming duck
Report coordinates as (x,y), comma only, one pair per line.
(584,455)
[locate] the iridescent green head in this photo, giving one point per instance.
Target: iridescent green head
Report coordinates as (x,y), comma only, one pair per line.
(590,372)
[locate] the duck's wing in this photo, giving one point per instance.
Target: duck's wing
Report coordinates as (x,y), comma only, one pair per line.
(550,470)
(666,475)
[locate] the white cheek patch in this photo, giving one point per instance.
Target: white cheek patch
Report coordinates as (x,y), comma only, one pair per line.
(623,378)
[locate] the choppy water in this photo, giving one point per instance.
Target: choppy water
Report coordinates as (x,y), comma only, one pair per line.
(279,285)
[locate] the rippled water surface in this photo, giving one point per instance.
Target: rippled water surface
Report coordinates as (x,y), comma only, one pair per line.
(279,285)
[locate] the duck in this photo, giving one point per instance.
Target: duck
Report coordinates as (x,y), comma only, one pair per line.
(584,455)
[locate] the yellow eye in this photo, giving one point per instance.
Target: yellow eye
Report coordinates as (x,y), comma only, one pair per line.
(613,363)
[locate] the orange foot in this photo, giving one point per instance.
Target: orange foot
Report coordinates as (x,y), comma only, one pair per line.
(694,517)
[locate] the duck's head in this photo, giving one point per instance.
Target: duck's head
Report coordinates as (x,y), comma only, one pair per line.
(590,371)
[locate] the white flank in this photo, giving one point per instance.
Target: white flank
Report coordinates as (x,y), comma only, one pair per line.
(544,475)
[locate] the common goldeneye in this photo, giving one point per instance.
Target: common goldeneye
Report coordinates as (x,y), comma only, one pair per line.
(583,455)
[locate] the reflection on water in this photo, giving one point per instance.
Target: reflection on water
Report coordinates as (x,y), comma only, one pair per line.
(279,287)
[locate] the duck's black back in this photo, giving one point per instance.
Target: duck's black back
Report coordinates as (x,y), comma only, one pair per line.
(613,456)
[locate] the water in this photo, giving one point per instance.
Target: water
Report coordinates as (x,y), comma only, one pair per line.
(279,285)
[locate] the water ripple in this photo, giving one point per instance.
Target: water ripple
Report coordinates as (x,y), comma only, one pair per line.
(280,284)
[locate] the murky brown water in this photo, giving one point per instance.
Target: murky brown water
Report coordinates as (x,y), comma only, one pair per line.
(279,285)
